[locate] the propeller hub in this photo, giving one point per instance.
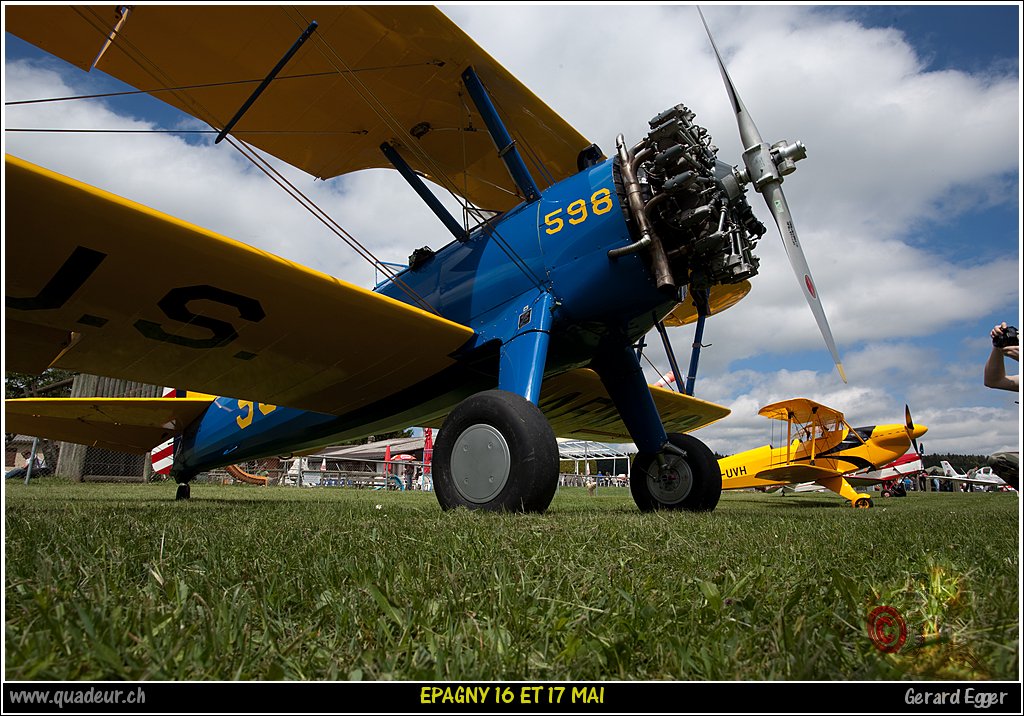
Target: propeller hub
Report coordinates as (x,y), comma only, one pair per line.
(786,156)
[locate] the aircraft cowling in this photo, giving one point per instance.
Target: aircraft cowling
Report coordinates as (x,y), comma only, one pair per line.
(889,442)
(690,204)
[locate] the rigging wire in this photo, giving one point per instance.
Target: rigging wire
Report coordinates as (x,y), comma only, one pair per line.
(211,85)
(437,173)
(325,218)
(528,149)
(204,114)
(67,130)
(668,384)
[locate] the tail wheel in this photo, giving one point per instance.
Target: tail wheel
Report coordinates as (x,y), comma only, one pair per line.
(689,479)
(863,503)
(496,451)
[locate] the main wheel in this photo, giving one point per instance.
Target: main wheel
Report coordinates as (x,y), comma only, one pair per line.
(183,492)
(496,451)
(691,481)
(863,503)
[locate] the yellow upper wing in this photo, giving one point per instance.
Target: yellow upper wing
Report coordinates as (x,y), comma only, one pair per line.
(369,74)
(218,316)
(802,410)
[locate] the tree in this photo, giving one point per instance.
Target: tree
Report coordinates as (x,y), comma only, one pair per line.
(961,463)
(52,383)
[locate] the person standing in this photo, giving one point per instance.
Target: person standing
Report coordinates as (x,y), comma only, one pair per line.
(1005,344)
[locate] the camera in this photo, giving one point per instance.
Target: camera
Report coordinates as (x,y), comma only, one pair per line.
(1007,338)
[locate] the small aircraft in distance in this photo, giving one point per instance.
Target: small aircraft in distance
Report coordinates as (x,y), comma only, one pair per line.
(891,478)
(525,326)
(982,476)
(820,448)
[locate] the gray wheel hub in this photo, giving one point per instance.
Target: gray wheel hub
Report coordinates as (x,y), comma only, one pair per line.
(671,483)
(481,462)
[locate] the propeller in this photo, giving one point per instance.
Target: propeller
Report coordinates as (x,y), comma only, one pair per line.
(911,429)
(765,167)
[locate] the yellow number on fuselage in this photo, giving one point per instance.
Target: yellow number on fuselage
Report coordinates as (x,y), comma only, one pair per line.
(554,224)
(600,203)
(245,420)
(577,210)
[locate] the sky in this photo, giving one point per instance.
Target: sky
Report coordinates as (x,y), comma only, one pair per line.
(907,206)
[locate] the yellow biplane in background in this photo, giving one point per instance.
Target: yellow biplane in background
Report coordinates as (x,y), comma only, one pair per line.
(821,447)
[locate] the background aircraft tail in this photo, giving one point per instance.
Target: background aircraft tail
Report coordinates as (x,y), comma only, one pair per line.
(162,456)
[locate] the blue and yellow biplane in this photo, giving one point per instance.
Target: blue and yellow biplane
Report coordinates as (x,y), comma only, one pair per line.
(522,328)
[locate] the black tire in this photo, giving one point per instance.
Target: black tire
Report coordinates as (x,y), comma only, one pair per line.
(496,451)
(184,492)
(863,503)
(692,483)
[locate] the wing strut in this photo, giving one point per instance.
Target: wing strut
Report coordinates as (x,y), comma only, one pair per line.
(506,145)
(660,325)
(421,188)
(266,81)
(702,304)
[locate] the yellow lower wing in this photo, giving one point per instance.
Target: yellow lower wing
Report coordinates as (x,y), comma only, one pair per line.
(133,425)
(784,474)
(577,406)
(217,315)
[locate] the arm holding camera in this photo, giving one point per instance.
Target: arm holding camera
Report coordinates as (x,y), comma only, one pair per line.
(1004,343)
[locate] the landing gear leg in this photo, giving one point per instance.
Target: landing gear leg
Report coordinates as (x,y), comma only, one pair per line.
(670,472)
(841,487)
(685,476)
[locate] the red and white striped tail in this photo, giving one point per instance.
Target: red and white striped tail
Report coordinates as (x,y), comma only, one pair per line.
(163,454)
(666,380)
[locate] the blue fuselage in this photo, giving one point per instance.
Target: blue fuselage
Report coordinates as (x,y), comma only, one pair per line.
(535,284)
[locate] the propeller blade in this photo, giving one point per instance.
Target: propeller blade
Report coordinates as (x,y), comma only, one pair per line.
(910,430)
(776,201)
(763,171)
(749,135)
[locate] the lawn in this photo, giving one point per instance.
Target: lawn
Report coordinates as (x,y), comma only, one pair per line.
(244,582)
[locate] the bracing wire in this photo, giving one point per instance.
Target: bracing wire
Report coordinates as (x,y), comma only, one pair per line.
(660,374)
(204,114)
(380,109)
(207,85)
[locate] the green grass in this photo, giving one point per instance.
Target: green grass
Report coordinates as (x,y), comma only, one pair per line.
(243,582)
